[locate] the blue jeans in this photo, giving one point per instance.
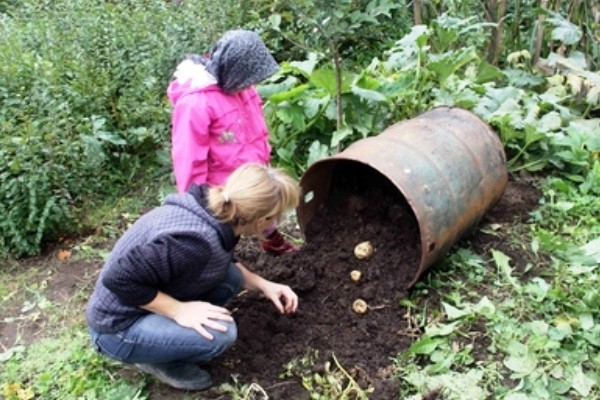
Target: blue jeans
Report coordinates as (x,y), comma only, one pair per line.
(155,339)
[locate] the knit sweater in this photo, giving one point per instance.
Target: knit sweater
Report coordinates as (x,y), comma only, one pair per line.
(178,248)
(240,59)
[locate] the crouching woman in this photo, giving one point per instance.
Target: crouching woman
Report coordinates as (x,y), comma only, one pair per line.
(159,301)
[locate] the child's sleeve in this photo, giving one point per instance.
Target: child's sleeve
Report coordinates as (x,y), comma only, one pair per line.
(190,142)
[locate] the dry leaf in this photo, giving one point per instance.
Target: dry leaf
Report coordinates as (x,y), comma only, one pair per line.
(63,255)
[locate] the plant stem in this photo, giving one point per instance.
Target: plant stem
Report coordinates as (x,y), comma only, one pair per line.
(539,35)
(352,383)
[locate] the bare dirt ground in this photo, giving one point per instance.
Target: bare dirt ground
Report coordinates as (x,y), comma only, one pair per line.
(325,325)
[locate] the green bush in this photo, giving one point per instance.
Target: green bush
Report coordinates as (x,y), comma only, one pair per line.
(82,104)
(353,30)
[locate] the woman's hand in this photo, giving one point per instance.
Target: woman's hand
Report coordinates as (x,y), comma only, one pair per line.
(200,315)
(284,298)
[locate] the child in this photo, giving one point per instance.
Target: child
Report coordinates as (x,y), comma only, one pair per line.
(217,121)
(159,300)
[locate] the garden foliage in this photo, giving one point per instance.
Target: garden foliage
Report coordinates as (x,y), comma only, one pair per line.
(82,105)
(83,114)
(83,110)
(543,121)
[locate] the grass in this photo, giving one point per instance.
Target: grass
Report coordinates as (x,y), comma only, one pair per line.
(514,329)
(51,357)
(59,362)
(13,279)
(65,367)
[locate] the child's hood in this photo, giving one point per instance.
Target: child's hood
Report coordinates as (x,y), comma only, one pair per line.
(190,77)
(240,59)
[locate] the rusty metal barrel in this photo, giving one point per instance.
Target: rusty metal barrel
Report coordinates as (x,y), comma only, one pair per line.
(447,163)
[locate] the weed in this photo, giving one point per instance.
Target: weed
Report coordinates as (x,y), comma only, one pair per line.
(542,328)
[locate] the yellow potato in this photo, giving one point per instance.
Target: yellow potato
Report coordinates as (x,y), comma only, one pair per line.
(363,250)
(355,275)
(359,306)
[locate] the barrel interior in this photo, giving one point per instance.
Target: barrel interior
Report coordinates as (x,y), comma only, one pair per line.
(364,203)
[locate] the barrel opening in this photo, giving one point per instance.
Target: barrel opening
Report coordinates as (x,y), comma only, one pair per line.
(370,207)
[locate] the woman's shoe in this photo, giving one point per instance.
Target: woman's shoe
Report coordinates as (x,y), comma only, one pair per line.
(180,375)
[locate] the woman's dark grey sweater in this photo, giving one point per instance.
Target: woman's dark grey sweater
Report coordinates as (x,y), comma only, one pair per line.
(178,248)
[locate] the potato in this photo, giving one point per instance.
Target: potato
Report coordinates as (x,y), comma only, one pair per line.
(359,306)
(363,250)
(355,275)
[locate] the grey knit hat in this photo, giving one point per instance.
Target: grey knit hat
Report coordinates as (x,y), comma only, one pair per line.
(240,59)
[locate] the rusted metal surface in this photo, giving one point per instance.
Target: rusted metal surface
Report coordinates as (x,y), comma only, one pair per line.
(447,163)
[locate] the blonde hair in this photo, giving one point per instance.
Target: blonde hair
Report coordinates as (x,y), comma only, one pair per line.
(251,192)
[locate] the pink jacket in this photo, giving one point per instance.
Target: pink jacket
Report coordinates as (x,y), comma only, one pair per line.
(213,132)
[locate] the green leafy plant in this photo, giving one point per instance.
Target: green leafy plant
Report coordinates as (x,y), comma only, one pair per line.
(302,105)
(242,391)
(83,110)
(540,323)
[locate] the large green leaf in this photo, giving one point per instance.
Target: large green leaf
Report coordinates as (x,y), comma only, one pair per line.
(563,30)
(448,63)
(592,249)
(426,345)
(325,78)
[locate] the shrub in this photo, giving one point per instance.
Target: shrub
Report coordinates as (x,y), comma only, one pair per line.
(82,104)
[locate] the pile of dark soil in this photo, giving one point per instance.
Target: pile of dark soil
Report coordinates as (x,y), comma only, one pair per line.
(359,209)
(362,206)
